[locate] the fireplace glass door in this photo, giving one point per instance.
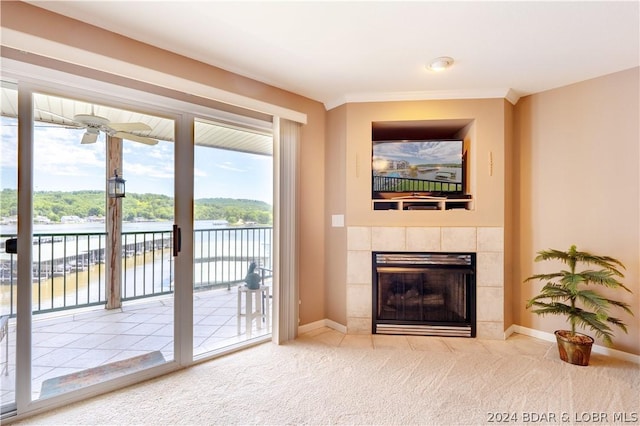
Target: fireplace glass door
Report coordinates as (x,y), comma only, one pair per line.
(424,294)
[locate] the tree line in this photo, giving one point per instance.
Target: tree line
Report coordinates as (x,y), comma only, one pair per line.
(155,207)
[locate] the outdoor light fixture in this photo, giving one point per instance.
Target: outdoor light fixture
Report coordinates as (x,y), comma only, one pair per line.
(115,187)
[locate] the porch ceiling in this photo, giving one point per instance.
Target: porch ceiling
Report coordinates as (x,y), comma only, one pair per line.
(217,134)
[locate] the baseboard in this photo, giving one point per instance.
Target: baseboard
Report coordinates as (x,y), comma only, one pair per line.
(509,331)
(336,326)
(550,337)
(542,335)
(322,323)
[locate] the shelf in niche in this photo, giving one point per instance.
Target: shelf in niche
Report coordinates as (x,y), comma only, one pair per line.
(423,203)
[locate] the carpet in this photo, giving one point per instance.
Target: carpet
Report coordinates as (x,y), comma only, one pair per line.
(327,378)
(90,376)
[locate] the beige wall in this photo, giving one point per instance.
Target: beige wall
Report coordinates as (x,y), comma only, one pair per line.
(349,190)
(510,192)
(336,199)
(577,181)
(486,134)
(38,22)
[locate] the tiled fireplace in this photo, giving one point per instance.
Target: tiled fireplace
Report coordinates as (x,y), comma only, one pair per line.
(486,242)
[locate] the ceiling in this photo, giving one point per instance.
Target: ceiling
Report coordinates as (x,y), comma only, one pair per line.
(342,51)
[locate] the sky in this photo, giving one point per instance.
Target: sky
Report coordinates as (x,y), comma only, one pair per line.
(61,163)
(417,152)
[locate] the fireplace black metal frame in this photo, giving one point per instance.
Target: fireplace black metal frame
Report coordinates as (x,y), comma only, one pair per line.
(419,261)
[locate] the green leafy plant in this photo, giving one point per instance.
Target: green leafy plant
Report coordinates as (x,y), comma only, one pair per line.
(568,292)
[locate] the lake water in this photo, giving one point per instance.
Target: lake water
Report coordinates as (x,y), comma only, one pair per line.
(86,227)
(221,255)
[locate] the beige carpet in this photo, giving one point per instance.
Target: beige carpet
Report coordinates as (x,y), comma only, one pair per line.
(325,378)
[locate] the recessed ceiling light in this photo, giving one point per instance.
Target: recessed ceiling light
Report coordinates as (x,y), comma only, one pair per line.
(440,64)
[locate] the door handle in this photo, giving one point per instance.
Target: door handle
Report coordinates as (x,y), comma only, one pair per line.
(177,240)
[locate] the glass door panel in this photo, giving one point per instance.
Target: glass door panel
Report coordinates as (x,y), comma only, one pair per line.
(102,291)
(233,191)
(8,261)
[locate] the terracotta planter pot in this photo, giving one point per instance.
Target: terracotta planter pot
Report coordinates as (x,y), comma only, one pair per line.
(574,349)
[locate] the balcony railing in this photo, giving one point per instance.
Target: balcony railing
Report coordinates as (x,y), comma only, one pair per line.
(69,269)
(402,184)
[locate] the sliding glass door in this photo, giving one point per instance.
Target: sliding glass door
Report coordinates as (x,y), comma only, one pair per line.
(133,258)
(102,266)
(233,233)
(8,259)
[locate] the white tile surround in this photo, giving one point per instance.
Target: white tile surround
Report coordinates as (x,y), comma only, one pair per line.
(487,242)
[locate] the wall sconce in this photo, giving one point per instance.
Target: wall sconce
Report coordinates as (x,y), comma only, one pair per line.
(115,187)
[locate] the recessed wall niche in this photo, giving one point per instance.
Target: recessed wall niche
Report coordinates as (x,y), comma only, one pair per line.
(421,165)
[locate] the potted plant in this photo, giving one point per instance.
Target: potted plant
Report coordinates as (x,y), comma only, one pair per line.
(571,293)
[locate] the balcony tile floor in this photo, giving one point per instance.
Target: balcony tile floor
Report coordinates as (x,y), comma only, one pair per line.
(71,341)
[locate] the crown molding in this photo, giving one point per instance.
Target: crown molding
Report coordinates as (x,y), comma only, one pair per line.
(508,94)
(513,96)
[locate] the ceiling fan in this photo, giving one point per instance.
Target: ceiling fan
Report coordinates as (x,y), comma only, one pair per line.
(94,124)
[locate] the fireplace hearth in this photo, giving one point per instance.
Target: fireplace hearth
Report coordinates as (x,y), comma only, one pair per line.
(423,293)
